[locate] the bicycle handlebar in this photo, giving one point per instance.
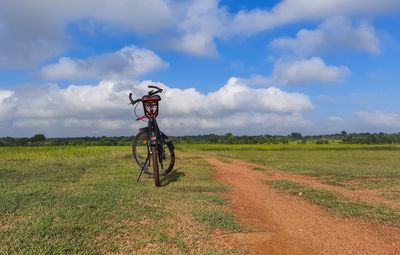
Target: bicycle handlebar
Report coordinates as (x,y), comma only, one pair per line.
(151,93)
(154,87)
(133,102)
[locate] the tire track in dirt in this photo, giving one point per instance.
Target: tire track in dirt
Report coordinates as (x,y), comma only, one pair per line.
(286,225)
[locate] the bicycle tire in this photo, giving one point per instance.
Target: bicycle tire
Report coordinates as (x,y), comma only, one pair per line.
(169,158)
(155,166)
(139,150)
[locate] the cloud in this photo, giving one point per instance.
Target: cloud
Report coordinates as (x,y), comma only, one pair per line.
(201,23)
(300,71)
(335,118)
(333,34)
(27,38)
(379,119)
(308,70)
(32,32)
(358,122)
(127,63)
(289,11)
(238,123)
(258,80)
(103,109)
(234,97)
(5,103)
(4,94)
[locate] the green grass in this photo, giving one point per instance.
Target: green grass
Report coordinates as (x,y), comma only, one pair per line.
(218,219)
(338,204)
(259,169)
(222,147)
(85,200)
(392,195)
(224,160)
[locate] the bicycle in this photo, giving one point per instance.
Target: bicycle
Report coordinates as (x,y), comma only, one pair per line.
(151,146)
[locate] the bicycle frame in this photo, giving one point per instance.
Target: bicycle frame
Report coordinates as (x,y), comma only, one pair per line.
(153,131)
(159,147)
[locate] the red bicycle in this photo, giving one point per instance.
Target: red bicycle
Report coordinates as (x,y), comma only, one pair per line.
(151,147)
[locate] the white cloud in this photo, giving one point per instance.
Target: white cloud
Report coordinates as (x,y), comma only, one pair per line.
(359,122)
(127,63)
(235,97)
(5,106)
(4,94)
(335,118)
(379,119)
(201,23)
(240,123)
(300,71)
(334,33)
(198,43)
(103,109)
(308,70)
(289,11)
(34,31)
(259,80)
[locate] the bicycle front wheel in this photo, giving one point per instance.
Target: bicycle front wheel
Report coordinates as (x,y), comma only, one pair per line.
(155,166)
(141,151)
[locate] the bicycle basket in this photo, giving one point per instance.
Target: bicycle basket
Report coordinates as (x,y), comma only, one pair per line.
(150,106)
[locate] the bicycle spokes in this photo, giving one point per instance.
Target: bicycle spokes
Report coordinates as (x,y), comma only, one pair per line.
(143,166)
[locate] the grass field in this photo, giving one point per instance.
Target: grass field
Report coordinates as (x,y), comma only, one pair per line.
(84,200)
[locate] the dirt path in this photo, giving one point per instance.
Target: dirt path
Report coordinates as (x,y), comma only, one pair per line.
(287,225)
(365,194)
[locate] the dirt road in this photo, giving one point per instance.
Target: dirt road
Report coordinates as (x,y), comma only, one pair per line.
(283,224)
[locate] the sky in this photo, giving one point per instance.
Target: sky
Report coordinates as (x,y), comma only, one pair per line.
(243,67)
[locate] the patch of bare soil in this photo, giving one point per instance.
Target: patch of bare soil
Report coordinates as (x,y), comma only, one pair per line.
(5,226)
(286,225)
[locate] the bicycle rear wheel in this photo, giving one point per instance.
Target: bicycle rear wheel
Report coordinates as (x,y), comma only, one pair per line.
(155,166)
(167,161)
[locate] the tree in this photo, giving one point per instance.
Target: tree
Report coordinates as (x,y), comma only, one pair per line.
(22,141)
(38,138)
(9,141)
(108,141)
(212,138)
(344,133)
(124,141)
(296,135)
(56,142)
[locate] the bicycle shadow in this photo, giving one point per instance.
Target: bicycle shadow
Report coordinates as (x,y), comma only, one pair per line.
(174,176)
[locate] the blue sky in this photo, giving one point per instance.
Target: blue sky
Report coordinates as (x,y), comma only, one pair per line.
(247,67)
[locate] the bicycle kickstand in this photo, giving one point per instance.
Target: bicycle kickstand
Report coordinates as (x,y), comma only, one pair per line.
(143,166)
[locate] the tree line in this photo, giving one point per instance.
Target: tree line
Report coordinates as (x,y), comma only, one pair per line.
(295,137)
(229,138)
(41,140)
